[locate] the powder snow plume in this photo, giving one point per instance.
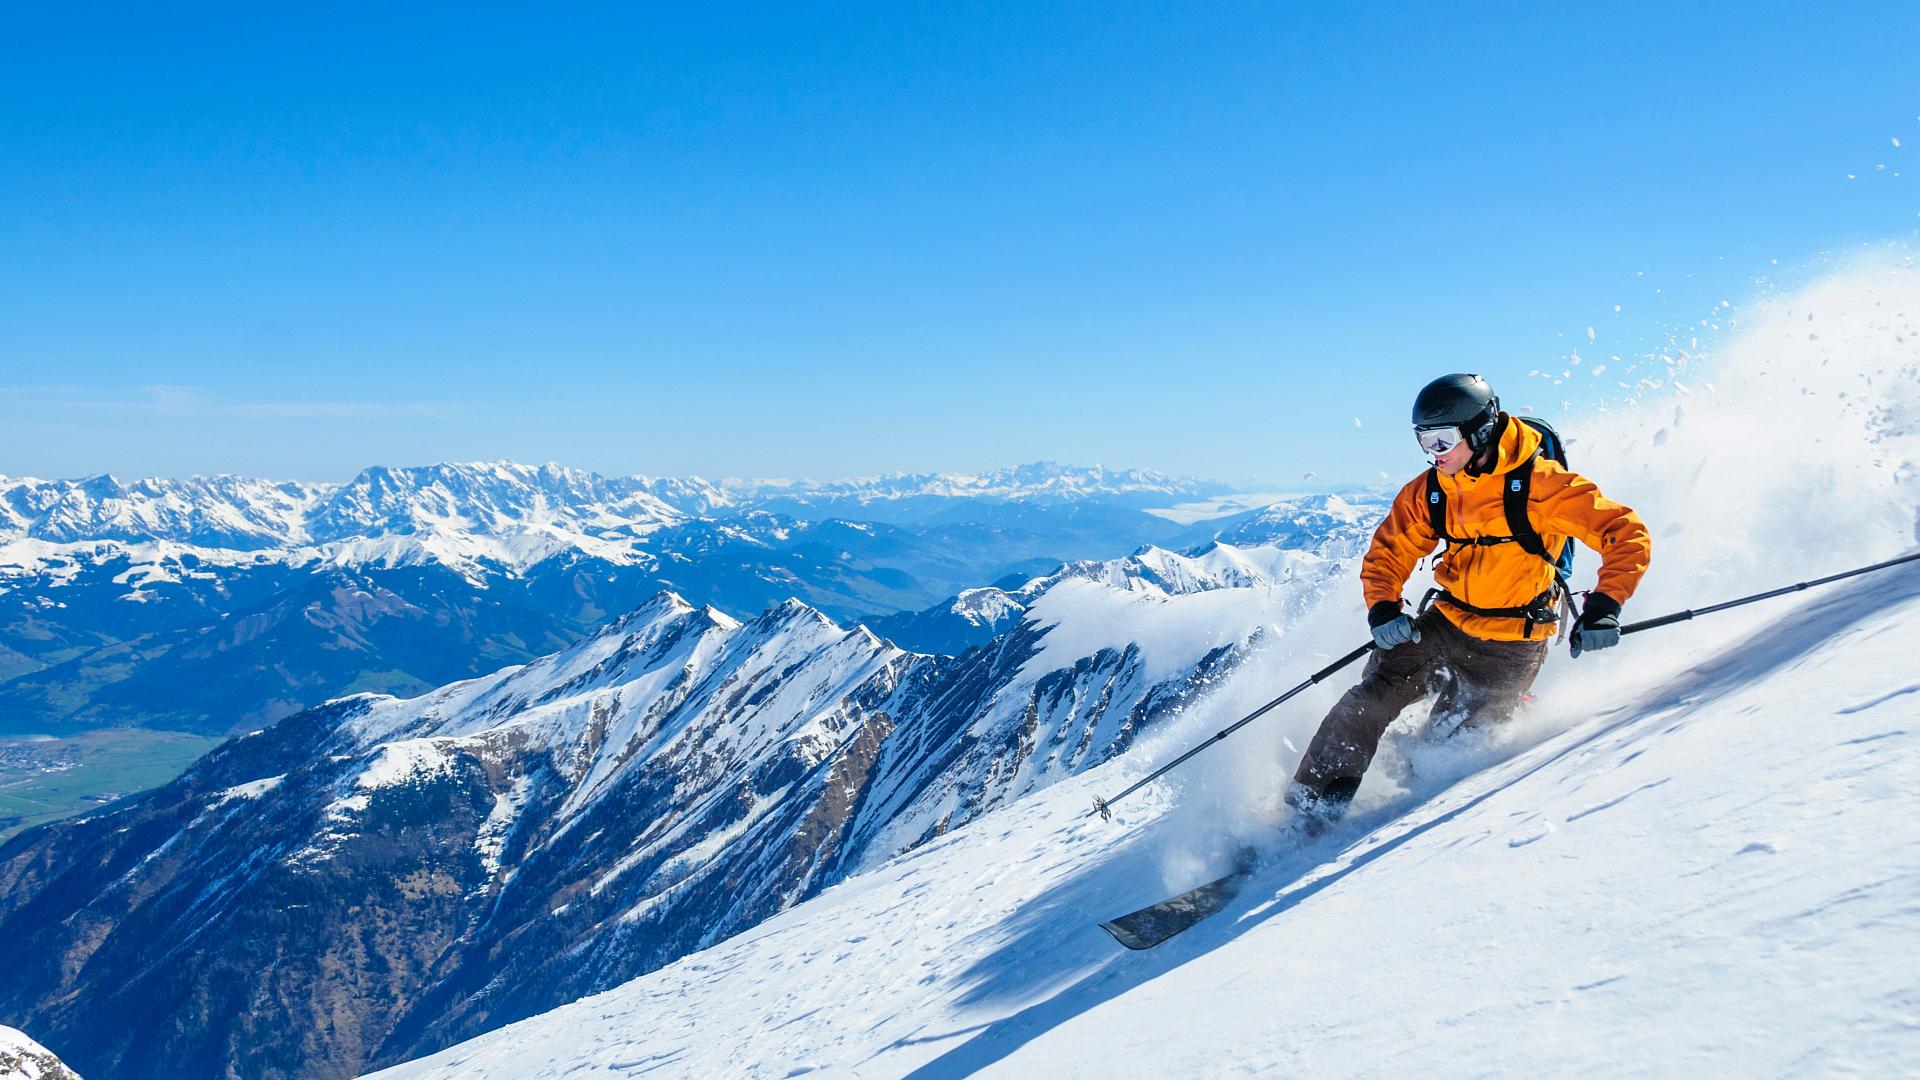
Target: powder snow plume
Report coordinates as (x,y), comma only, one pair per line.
(1790,453)
(1793,453)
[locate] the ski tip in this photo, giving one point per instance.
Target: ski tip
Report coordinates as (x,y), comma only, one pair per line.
(1127,937)
(1155,923)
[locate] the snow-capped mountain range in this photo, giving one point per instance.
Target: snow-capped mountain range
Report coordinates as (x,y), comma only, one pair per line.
(157,602)
(488,499)
(554,829)
(482,519)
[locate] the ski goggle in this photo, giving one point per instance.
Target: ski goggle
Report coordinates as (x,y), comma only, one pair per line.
(1438,440)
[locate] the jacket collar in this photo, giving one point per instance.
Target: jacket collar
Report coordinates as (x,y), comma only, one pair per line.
(1514,443)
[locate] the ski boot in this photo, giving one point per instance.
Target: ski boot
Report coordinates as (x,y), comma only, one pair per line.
(1314,812)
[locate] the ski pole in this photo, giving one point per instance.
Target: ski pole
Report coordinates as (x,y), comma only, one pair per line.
(1103,807)
(1683,616)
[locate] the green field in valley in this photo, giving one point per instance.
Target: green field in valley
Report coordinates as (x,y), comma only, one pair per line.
(46,779)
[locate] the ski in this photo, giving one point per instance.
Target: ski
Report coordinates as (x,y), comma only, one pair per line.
(1155,923)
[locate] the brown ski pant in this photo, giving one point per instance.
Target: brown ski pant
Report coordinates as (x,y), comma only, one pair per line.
(1479,681)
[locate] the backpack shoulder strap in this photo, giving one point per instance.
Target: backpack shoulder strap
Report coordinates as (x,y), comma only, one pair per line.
(1552,448)
(1437,505)
(1515,486)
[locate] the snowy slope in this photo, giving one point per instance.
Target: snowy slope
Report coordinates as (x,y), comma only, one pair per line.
(23,1059)
(1719,871)
(1697,853)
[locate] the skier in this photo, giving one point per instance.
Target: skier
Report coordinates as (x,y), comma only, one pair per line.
(1506,512)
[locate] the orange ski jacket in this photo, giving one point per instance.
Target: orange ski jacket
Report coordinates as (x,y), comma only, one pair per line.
(1561,503)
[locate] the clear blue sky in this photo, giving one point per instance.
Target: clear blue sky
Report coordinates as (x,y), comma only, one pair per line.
(765,241)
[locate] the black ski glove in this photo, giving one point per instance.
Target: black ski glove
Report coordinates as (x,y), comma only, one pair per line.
(1599,625)
(1390,626)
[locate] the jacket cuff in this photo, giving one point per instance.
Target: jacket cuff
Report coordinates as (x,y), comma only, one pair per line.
(1383,613)
(1600,606)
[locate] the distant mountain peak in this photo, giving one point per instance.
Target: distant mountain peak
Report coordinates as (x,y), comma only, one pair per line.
(791,612)
(664,602)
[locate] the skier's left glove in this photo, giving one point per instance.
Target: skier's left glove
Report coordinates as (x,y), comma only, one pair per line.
(1599,625)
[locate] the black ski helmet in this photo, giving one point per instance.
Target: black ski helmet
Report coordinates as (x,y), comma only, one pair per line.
(1462,401)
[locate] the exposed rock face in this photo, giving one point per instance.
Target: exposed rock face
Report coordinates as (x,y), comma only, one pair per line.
(376,878)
